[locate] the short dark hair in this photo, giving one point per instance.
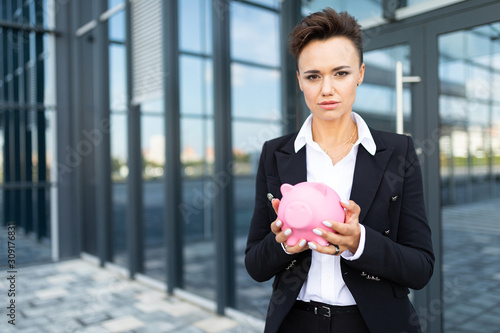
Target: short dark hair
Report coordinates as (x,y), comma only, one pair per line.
(324,25)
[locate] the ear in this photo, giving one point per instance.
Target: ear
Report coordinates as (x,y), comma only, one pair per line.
(300,83)
(361,73)
(286,188)
(320,187)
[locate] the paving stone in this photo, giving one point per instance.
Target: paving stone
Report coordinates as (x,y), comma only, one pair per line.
(93,319)
(51,293)
(123,324)
(216,324)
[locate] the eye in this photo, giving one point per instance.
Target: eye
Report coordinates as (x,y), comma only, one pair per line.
(341,73)
(312,77)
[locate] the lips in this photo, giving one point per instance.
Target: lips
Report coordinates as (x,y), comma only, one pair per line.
(328,105)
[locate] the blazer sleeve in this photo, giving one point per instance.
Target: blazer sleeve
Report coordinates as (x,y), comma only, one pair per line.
(264,257)
(405,256)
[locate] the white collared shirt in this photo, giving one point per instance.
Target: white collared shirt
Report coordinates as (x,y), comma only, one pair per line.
(324,281)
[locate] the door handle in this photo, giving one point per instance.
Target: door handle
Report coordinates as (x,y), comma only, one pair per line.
(400,80)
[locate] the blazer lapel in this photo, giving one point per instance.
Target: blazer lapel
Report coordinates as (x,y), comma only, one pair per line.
(368,174)
(291,165)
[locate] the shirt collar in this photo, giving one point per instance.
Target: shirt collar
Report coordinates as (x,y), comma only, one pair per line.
(364,135)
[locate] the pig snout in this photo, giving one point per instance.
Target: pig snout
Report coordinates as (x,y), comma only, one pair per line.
(298,215)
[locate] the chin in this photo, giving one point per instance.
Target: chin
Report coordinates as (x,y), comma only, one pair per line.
(330,115)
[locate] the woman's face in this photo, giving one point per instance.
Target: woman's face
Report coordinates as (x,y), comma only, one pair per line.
(328,74)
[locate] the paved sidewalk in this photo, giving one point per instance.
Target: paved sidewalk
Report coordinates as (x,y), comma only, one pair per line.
(78,296)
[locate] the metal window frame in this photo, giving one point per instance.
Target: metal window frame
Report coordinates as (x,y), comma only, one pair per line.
(223,202)
(172,225)
(102,137)
(134,226)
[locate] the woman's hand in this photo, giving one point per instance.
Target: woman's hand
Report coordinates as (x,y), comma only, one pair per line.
(348,233)
(282,235)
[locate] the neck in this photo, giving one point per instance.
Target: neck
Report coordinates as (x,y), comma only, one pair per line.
(330,133)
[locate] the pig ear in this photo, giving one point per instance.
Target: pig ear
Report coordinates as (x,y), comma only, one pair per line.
(320,187)
(286,188)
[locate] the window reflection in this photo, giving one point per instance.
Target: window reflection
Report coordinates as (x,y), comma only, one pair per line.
(119,173)
(361,10)
(469,110)
(469,69)
(199,190)
(117,78)
(248,26)
(249,82)
(153,157)
(196,85)
(376,101)
(195,26)
(116,25)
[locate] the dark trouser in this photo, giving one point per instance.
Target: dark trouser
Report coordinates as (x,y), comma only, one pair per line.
(315,317)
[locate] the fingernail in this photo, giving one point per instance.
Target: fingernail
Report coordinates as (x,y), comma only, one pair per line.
(288,232)
(328,224)
(312,246)
(345,202)
(302,243)
(279,223)
(317,232)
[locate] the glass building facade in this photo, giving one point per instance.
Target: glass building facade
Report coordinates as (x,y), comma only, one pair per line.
(130,134)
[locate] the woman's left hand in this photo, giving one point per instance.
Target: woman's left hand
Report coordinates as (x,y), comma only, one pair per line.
(348,233)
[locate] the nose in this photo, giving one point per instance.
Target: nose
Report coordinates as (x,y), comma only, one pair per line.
(327,87)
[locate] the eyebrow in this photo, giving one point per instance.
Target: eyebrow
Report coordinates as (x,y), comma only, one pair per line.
(315,71)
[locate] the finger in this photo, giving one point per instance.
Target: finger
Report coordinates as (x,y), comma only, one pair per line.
(282,236)
(330,236)
(351,207)
(330,249)
(276,226)
(299,247)
(276,204)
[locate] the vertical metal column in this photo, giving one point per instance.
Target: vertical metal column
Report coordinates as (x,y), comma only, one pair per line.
(27,146)
(42,230)
(173,186)
(100,137)
(291,101)
(432,293)
(223,214)
(66,237)
(135,236)
(16,121)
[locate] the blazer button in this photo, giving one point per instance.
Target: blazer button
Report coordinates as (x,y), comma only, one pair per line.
(394,198)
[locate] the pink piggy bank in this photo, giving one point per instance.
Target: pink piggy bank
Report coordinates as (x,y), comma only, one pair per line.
(305,206)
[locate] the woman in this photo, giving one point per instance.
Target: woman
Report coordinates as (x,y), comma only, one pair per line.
(360,281)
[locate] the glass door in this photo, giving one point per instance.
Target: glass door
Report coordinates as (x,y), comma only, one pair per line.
(377,97)
(469,110)
(395,65)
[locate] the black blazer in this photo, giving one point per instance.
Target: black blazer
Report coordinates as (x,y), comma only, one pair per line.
(398,250)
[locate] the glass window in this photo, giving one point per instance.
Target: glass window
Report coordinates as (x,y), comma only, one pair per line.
(199,190)
(116,24)
(117,77)
(248,138)
(469,171)
(379,85)
(153,155)
(254,35)
(195,27)
(268,3)
(249,82)
(113,3)
(361,10)
(196,81)
(119,173)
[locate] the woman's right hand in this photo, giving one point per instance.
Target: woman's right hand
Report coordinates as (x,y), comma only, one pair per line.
(282,235)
